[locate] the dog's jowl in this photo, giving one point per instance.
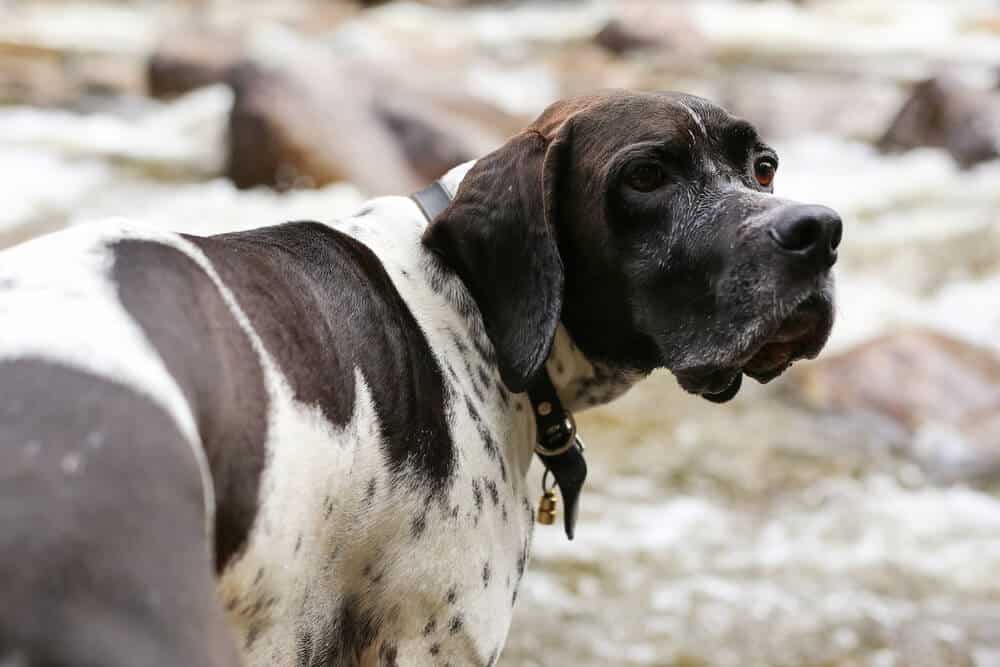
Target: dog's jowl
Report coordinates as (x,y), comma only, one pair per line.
(306,445)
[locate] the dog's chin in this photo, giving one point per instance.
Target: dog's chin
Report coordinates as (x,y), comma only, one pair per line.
(799,335)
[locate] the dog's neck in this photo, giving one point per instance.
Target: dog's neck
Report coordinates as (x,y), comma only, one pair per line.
(580,382)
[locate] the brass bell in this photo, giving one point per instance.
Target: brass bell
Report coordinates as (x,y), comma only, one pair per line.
(547,509)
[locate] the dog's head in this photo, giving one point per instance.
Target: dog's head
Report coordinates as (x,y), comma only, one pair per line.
(646,223)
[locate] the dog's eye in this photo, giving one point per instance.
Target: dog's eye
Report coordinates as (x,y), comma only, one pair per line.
(764,170)
(645,177)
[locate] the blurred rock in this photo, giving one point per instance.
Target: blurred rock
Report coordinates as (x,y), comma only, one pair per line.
(945,113)
(913,376)
(432,140)
(943,390)
(641,25)
(619,38)
(34,75)
(190,59)
(308,126)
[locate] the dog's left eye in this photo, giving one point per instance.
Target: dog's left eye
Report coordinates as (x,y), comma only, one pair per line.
(645,177)
(764,170)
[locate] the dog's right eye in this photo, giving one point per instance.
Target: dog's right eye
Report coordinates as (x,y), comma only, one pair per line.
(645,177)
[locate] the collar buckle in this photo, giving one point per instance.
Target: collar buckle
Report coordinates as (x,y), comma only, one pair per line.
(561,435)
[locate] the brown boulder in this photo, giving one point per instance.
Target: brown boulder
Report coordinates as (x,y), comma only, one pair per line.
(287,132)
(642,25)
(619,38)
(943,393)
(911,376)
(295,127)
(945,113)
(190,59)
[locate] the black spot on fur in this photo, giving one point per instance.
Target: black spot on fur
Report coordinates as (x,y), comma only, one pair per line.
(298,544)
(258,576)
(484,377)
(502,392)
(452,595)
(486,574)
(430,627)
(419,525)
(370,491)
(484,348)
(253,631)
(324,306)
(387,654)
(346,634)
(491,487)
(478,392)
(477,495)
(435,649)
(459,345)
(303,647)
(455,625)
(473,412)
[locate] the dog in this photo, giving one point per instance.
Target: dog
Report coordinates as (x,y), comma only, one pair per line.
(306,445)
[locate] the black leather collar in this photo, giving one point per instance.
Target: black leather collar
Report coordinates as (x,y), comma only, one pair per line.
(557,444)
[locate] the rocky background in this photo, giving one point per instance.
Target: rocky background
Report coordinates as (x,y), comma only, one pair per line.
(845,515)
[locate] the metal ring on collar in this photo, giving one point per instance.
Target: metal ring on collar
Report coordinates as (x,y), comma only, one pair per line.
(565,447)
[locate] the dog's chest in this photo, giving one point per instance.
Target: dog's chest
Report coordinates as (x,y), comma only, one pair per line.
(354,559)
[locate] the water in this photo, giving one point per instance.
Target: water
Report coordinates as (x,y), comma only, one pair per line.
(764,532)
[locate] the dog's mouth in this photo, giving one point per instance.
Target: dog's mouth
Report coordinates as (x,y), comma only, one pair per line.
(799,335)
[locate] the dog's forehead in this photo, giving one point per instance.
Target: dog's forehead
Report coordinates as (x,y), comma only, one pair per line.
(617,118)
(698,114)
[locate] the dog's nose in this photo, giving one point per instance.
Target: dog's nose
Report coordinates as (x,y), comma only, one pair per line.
(811,232)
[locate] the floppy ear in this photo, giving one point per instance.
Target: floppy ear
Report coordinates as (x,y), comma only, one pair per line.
(498,235)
